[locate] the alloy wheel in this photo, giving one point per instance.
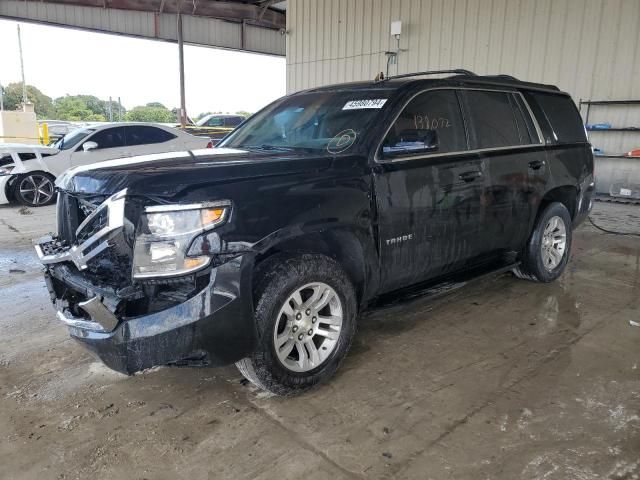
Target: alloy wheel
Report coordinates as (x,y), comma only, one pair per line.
(308,327)
(36,189)
(554,243)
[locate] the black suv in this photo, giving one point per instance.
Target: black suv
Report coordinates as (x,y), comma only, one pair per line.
(263,251)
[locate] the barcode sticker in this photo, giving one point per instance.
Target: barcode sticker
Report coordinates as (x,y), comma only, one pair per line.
(370,103)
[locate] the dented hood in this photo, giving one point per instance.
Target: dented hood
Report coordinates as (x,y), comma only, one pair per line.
(167,174)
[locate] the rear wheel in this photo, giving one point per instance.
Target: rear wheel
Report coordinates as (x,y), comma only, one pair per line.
(35,189)
(305,315)
(547,252)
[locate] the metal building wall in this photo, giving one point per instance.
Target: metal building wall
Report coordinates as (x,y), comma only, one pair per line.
(590,48)
(211,32)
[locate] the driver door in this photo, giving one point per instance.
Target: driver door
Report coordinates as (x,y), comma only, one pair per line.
(110,144)
(428,191)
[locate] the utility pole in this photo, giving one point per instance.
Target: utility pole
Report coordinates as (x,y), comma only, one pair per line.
(183,108)
(110,109)
(119,110)
(24,85)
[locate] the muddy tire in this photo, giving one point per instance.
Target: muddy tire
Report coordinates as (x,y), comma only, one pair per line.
(34,189)
(306,318)
(546,254)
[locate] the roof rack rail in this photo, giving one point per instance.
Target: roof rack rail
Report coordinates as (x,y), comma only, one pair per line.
(502,75)
(458,71)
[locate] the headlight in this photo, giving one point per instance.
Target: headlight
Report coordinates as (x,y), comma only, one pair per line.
(6,170)
(165,233)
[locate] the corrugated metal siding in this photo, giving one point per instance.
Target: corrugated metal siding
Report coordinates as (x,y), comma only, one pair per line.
(590,48)
(197,30)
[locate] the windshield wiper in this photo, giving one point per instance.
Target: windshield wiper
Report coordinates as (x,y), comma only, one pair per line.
(267,147)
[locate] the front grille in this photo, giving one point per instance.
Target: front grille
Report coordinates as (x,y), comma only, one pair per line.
(87,208)
(72,211)
(97,223)
(67,217)
(54,247)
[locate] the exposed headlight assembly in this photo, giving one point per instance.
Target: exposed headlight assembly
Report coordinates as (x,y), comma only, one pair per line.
(165,233)
(6,170)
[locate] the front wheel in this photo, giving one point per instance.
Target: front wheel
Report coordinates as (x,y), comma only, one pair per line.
(547,251)
(305,316)
(35,189)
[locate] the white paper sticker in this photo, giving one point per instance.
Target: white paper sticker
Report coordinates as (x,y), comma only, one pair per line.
(625,191)
(368,103)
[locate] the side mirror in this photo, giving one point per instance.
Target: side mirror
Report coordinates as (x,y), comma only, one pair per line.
(412,142)
(86,146)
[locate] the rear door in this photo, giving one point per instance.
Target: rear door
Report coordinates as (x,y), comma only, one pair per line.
(145,139)
(502,134)
(428,203)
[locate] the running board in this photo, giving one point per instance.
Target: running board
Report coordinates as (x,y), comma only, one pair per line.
(442,287)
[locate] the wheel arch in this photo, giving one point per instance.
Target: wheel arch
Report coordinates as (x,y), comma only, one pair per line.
(342,245)
(566,195)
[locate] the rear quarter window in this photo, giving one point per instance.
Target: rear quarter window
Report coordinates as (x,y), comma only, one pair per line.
(562,116)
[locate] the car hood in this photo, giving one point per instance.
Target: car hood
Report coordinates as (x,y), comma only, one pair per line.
(167,174)
(25,147)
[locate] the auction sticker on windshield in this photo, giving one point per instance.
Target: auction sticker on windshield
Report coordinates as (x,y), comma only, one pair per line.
(369,103)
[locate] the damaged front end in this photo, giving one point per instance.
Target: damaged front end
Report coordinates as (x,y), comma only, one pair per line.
(143,284)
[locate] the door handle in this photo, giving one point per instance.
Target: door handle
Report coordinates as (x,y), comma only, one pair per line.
(470,176)
(537,164)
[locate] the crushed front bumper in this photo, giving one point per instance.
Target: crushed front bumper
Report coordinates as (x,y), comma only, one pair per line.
(213,327)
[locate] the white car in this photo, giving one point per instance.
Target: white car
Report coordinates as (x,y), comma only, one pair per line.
(28,172)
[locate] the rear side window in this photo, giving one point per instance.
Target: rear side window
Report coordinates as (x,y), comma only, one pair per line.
(493,120)
(435,114)
(145,135)
(233,121)
(563,117)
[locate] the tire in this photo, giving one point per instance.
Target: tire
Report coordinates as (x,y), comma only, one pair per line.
(278,319)
(34,189)
(537,265)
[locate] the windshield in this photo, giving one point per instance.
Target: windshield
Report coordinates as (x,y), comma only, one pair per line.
(331,121)
(71,139)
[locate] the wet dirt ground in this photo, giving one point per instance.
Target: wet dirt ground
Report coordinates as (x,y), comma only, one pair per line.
(504,379)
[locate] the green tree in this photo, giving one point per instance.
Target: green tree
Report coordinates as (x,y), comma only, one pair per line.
(148,113)
(42,103)
(156,105)
(244,113)
(76,108)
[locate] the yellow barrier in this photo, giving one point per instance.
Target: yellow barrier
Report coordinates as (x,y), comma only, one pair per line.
(44,137)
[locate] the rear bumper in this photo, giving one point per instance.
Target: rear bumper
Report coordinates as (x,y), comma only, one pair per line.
(213,327)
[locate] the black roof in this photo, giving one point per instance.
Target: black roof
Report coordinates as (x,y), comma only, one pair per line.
(422,79)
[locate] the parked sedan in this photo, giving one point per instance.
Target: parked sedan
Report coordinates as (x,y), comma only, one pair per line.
(28,172)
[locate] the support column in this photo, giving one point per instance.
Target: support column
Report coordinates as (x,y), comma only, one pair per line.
(183,108)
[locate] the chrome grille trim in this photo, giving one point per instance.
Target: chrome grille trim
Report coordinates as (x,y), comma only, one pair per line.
(97,242)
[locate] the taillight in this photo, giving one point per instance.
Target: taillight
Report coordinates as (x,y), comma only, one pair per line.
(210,144)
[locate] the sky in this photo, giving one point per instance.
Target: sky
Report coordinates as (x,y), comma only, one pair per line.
(61,61)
